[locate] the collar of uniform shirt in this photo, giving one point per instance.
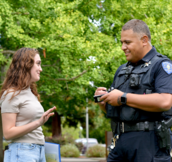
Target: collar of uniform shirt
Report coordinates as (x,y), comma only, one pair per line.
(146,58)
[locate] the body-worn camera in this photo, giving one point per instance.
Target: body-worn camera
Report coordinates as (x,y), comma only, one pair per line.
(134,80)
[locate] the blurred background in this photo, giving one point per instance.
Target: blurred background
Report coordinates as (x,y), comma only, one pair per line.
(79,43)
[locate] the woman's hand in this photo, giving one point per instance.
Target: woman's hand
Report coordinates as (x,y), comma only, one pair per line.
(46,116)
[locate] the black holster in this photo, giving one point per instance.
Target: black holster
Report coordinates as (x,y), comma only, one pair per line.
(163,135)
(114,127)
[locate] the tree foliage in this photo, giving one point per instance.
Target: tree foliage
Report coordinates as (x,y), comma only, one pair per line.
(80,42)
(75,49)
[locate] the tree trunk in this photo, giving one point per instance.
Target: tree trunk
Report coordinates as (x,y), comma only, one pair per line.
(56,125)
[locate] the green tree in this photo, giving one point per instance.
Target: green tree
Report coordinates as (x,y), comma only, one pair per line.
(69,40)
(80,40)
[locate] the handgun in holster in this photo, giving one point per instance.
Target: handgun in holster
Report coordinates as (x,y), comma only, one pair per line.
(163,134)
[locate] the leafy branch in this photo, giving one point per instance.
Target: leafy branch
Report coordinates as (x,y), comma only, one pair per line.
(6,52)
(73,78)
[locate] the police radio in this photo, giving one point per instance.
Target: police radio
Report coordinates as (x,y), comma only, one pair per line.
(97,98)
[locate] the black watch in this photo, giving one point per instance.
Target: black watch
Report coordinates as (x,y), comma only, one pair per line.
(124,99)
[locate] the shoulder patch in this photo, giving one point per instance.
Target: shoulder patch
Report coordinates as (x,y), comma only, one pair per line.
(167,67)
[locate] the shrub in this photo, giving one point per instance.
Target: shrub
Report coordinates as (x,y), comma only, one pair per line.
(99,132)
(96,151)
(69,150)
(79,145)
(46,131)
(62,140)
(5,143)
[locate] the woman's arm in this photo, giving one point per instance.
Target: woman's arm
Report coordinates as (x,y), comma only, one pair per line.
(10,130)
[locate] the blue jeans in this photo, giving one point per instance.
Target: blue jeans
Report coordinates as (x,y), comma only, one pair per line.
(24,152)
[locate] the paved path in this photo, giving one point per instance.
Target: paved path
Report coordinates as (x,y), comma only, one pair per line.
(82,159)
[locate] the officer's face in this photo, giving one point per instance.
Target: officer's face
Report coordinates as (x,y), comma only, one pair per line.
(132,45)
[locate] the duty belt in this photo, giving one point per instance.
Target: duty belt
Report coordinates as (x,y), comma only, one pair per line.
(140,126)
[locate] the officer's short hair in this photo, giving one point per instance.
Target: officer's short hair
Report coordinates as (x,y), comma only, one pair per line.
(138,26)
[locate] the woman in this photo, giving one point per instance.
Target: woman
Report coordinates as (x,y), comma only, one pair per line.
(22,113)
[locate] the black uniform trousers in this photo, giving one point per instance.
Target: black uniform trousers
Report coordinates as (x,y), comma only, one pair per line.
(139,146)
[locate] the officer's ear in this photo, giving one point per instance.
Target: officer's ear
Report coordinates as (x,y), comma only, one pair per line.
(145,40)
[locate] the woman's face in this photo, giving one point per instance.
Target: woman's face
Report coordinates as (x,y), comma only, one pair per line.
(36,69)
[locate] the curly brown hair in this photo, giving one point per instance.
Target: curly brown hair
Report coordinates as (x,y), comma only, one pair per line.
(19,73)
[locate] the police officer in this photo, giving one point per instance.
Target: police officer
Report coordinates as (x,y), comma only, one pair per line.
(139,98)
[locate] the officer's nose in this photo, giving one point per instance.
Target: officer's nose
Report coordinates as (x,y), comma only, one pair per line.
(123,46)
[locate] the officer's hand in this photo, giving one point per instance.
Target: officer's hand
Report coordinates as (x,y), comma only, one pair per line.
(112,97)
(100,91)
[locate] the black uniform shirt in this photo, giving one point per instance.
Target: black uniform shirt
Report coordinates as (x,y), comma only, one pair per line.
(161,74)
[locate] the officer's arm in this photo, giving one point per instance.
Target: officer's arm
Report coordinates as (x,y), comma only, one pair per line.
(150,102)
(155,102)
(161,100)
